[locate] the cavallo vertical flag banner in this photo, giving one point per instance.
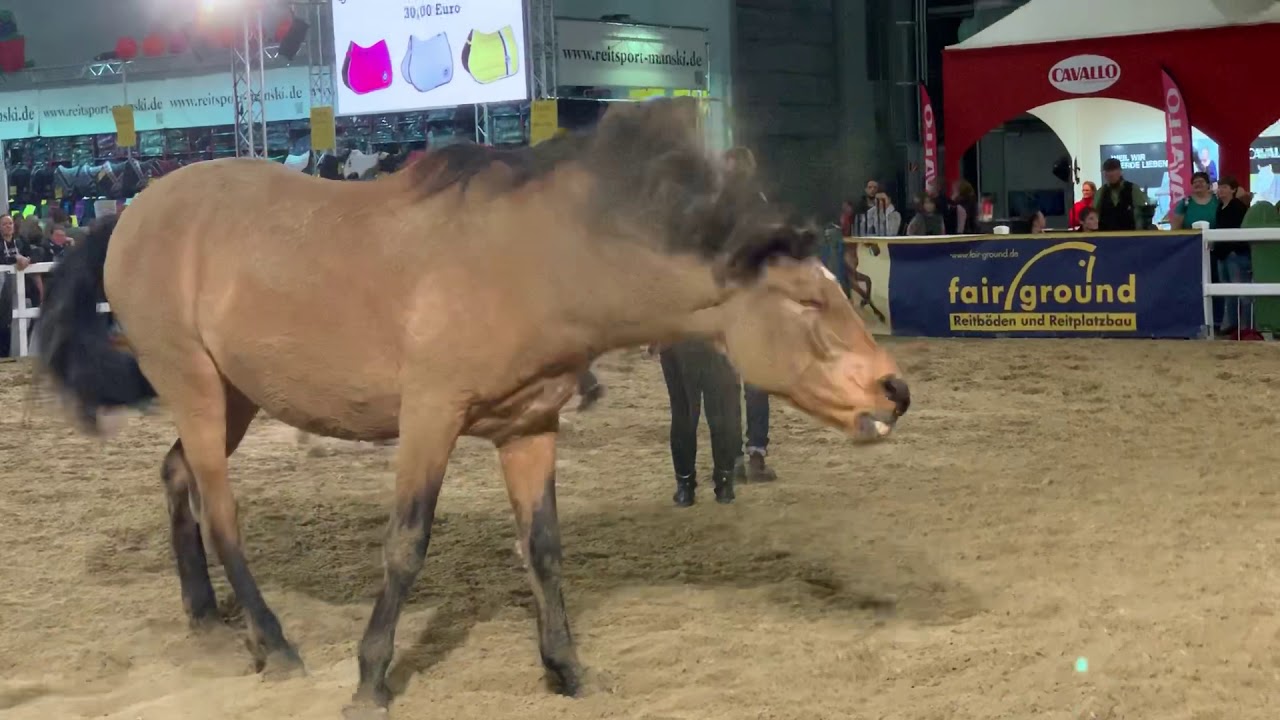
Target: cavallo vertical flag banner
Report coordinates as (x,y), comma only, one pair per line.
(928,137)
(1177,135)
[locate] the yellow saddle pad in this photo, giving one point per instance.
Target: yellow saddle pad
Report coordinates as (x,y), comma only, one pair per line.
(490,57)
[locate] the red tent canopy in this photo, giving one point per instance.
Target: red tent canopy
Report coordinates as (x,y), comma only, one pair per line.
(1227,74)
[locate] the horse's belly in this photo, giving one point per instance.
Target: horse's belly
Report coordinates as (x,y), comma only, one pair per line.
(351,404)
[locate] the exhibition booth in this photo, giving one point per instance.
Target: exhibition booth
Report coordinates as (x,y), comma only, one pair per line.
(1060,60)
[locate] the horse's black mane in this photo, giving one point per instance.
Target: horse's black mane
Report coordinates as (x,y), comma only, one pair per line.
(649,168)
(458,164)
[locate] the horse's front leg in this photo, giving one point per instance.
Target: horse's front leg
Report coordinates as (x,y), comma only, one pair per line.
(428,433)
(529,465)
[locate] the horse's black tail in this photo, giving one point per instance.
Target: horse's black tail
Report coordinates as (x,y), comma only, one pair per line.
(74,341)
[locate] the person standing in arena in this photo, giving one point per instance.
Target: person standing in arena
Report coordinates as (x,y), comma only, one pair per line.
(697,376)
(753,467)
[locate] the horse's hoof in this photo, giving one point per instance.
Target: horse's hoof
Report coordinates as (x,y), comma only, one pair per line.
(362,711)
(283,665)
(591,397)
(206,622)
(580,683)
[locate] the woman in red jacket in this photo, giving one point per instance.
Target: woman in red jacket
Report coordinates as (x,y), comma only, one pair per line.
(1086,200)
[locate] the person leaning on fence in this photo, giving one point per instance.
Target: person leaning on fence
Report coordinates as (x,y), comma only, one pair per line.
(882,219)
(1232,261)
(1119,202)
(1087,190)
(1200,206)
(1036,222)
(1089,220)
(927,220)
(15,251)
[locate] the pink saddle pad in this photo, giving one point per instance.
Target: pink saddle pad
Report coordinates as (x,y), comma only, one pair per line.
(367,70)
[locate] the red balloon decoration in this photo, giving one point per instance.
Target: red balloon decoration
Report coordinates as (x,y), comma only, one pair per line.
(225,37)
(126,48)
(283,29)
(154,45)
(178,43)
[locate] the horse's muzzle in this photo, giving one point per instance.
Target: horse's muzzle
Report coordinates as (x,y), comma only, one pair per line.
(895,388)
(878,425)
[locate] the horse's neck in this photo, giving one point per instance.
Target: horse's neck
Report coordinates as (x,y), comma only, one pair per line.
(630,295)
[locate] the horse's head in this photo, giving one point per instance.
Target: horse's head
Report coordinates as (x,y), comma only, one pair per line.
(783,319)
(793,333)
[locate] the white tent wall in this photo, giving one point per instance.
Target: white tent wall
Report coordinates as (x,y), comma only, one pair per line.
(1042,21)
(1088,124)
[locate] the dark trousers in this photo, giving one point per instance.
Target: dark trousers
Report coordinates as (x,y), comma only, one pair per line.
(697,375)
(757,402)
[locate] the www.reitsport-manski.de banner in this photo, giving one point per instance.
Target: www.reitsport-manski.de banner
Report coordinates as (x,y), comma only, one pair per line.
(1060,285)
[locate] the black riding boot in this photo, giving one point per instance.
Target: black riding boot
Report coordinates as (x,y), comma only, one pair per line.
(724,486)
(685,486)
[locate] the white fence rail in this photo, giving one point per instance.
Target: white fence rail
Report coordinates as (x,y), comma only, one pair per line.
(24,316)
(1226,289)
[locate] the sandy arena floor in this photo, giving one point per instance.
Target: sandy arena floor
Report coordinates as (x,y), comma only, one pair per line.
(1044,501)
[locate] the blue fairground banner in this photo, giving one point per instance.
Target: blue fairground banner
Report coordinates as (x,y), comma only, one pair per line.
(1054,285)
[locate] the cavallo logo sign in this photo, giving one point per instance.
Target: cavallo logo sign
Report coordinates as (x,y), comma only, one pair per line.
(1084,74)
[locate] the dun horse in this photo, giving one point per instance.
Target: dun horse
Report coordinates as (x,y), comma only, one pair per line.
(462,295)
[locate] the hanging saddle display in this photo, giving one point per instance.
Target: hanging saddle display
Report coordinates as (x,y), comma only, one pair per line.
(42,181)
(367,69)
(129,178)
(329,166)
(64,178)
(298,156)
(104,180)
(151,143)
(107,145)
(491,57)
(428,64)
(20,182)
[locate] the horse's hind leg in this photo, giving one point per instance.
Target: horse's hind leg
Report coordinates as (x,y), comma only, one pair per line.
(202,406)
(198,597)
(188,548)
(529,466)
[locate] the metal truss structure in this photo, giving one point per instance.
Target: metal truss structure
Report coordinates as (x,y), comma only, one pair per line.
(321,70)
(542,47)
(248,84)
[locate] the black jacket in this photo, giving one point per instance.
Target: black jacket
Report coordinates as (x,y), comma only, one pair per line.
(1230,217)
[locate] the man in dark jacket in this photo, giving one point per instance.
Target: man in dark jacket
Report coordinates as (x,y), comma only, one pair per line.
(1119,202)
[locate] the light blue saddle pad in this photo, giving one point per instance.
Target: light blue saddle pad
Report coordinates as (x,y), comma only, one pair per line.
(428,64)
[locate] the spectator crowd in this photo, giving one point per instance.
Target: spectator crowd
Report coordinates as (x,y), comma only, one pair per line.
(1117,205)
(22,244)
